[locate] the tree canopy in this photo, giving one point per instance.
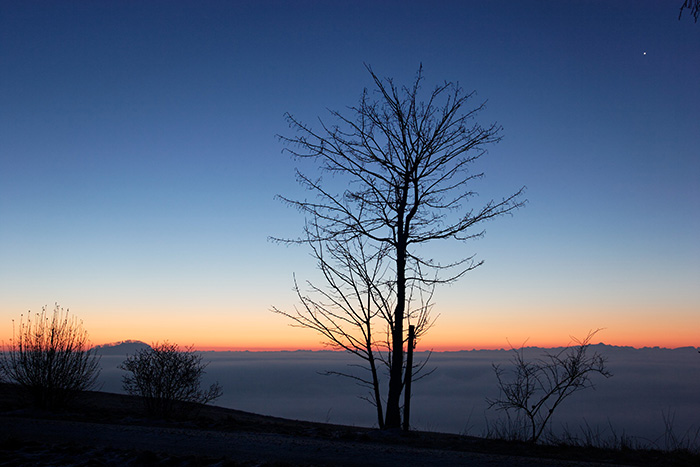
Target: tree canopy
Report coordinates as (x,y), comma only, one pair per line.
(403,158)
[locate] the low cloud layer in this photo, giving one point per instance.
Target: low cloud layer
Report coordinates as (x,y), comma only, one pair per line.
(648,385)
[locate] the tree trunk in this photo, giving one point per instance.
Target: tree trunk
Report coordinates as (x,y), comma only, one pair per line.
(377,394)
(409,377)
(393,403)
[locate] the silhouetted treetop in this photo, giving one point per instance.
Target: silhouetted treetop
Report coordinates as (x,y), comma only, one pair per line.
(693,6)
(407,166)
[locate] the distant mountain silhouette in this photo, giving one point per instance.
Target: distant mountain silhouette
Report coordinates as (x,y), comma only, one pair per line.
(601,347)
(121,348)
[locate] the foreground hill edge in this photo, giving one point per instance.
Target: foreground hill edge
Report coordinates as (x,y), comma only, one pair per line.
(119,409)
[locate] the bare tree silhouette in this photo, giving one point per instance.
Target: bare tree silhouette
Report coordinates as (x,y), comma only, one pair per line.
(536,388)
(693,6)
(50,357)
(164,375)
(354,307)
(404,164)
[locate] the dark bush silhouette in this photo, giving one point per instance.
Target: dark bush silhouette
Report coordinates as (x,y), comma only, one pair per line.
(164,376)
(536,388)
(50,358)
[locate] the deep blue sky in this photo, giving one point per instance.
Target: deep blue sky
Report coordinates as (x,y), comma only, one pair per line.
(139,164)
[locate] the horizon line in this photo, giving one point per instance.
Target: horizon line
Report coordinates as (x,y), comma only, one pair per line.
(446,349)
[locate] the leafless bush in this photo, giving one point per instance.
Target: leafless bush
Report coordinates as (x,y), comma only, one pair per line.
(163,375)
(534,389)
(595,437)
(508,428)
(50,358)
(673,441)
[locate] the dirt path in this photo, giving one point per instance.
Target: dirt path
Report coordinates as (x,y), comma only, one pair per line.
(240,447)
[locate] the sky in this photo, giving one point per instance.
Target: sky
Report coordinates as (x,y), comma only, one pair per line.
(139,163)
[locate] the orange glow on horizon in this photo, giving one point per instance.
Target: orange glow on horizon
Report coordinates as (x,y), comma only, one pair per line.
(445,348)
(486,328)
(448,347)
(295,339)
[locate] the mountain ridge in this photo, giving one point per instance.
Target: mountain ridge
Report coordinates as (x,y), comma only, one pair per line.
(121,347)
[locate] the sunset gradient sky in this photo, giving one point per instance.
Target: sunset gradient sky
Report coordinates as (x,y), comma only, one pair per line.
(139,163)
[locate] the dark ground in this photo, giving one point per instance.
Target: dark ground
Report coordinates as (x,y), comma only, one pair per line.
(111,429)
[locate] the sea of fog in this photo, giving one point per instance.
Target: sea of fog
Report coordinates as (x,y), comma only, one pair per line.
(649,387)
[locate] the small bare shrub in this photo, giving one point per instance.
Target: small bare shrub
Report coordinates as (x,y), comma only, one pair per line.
(50,358)
(163,375)
(672,441)
(534,389)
